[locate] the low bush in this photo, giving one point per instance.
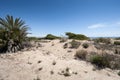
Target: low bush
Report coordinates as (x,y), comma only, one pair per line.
(85,45)
(117,42)
(74,44)
(81,54)
(119,73)
(100,61)
(102,40)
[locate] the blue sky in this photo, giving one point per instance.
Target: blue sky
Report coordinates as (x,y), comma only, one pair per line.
(94,18)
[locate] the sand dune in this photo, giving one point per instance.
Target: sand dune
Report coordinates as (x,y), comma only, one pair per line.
(50,62)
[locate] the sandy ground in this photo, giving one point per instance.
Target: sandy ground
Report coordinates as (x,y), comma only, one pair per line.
(49,62)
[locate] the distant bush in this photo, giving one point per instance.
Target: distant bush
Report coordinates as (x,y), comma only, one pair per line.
(81,54)
(117,42)
(33,38)
(74,44)
(85,45)
(118,38)
(102,40)
(76,36)
(51,37)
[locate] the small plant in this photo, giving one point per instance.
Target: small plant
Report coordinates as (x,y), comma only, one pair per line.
(119,73)
(117,42)
(74,44)
(85,45)
(65,45)
(54,63)
(81,54)
(51,72)
(117,51)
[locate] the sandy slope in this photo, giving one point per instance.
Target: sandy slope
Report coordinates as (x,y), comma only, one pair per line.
(47,62)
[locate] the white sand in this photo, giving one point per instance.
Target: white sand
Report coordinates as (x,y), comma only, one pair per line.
(38,63)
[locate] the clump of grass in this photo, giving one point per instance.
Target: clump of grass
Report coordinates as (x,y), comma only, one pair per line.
(117,51)
(81,54)
(85,45)
(74,44)
(103,40)
(117,42)
(65,45)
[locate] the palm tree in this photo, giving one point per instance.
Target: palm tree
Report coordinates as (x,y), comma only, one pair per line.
(12,33)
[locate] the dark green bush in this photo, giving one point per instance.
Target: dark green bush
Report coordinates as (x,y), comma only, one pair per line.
(117,42)
(51,37)
(74,44)
(85,45)
(76,36)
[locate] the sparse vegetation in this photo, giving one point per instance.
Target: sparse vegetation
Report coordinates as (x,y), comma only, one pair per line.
(85,45)
(75,44)
(102,40)
(81,54)
(76,36)
(102,60)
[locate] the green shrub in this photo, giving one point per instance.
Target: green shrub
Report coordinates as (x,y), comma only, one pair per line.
(51,37)
(81,54)
(102,40)
(74,44)
(76,36)
(85,45)
(100,61)
(117,42)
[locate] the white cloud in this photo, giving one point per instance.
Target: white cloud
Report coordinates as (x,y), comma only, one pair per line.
(96,26)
